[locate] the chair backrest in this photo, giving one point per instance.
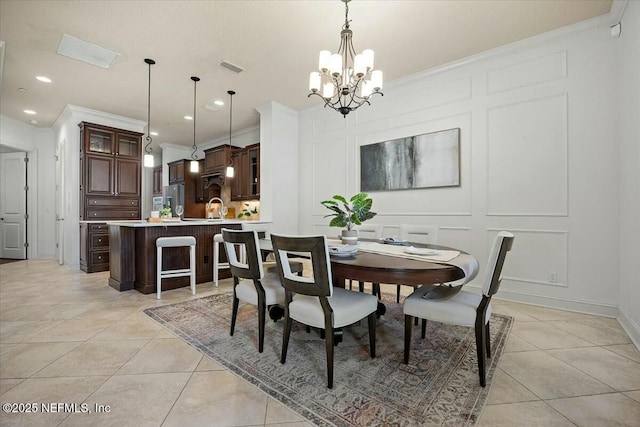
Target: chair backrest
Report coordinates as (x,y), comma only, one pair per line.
(264,230)
(315,247)
(370,231)
(427,234)
(246,242)
(501,245)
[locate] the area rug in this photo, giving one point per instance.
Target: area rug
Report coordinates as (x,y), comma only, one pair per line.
(439,386)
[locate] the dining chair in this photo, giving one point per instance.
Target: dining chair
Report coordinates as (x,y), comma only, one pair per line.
(314,302)
(427,234)
(250,285)
(464,308)
(369,231)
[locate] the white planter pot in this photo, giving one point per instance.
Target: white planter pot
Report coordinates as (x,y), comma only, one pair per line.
(349,237)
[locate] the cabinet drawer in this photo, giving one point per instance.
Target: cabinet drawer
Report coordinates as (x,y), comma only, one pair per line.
(112,202)
(98,227)
(99,241)
(112,214)
(99,258)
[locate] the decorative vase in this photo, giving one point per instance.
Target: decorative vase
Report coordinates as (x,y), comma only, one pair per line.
(349,237)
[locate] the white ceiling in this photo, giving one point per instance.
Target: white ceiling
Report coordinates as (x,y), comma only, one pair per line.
(276,42)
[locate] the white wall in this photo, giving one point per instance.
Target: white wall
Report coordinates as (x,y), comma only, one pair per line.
(67,131)
(39,144)
(629,111)
(539,157)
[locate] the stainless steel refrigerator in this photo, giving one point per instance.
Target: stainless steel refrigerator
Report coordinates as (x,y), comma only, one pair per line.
(173,196)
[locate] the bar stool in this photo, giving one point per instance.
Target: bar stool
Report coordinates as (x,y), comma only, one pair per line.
(176,242)
(217,265)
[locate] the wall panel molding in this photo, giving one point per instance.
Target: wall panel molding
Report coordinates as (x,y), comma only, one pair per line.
(527,73)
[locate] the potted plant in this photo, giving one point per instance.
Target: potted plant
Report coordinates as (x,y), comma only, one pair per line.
(165,212)
(247,212)
(349,214)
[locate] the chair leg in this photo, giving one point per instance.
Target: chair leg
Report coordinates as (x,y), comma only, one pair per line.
(285,335)
(216,256)
(480,349)
(361,286)
(261,320)
(192,267)
(487,336)
(328,338)
(408,324)
(375,290)
(423,332)
(372,334)
(158,272)
(398,294)
(415,321)
(234,312)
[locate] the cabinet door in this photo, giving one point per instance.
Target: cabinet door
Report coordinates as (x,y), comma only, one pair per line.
(98,141)
(253,172)
(176,172)
(127,178)
(99,175)
(215,160)
(127,146)
(238,182)
(157,181)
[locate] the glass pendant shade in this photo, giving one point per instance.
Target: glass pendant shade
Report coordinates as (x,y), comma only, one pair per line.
(230,171)
(148,161)
(194,166)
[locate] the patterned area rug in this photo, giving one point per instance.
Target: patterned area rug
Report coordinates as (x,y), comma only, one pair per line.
(440,386)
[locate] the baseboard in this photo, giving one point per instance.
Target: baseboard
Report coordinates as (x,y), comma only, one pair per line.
(631,328)
(597,309)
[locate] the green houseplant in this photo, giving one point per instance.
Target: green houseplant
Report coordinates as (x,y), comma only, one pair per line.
(349,213)
(247,211)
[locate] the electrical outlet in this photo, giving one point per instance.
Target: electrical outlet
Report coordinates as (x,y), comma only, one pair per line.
(553,277)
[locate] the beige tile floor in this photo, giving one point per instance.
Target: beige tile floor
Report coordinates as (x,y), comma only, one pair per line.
(66,337)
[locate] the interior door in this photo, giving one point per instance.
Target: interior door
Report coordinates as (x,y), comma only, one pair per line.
(60,202)
(13,205)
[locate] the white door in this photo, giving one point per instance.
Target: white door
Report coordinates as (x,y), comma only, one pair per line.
(13,205)
(60,202)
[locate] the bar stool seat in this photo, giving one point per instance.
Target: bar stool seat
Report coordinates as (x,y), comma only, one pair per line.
(176,242)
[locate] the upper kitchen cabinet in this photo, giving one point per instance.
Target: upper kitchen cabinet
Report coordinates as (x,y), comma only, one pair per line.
(217,159)
(109,161)
(176,171)
(245,185)
(157,181)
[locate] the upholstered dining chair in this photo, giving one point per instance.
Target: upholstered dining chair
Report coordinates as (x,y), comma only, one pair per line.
(464,308)
(313,301)
(427,234)
(369,231)
(250,285)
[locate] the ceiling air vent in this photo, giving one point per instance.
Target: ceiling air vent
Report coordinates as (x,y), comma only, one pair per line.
(86,52)
(232,67)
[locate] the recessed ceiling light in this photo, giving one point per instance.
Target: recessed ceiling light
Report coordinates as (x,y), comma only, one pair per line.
(43,79)
(218,102)
(188,118)
(31,112)
(154,133)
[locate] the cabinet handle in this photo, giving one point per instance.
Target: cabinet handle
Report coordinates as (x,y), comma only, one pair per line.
(99,240)
(99,256)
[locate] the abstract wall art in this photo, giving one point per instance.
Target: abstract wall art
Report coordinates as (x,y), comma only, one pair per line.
(422,161)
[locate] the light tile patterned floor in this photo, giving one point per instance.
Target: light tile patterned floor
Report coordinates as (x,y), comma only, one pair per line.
(66,337)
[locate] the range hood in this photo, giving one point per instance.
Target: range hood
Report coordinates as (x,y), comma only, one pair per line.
(213,179)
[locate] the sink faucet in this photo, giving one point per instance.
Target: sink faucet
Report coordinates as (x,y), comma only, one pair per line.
(221,205)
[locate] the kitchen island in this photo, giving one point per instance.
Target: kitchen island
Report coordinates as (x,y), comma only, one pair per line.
(132,252)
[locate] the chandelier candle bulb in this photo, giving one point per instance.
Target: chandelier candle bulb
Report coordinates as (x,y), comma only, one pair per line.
(324,60)
(368,55)
(327,90)
(335,66)
(376,80)
(314,81)
(365,91)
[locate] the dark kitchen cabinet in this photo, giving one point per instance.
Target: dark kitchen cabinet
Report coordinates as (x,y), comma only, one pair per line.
(217,159)
(179,173)
(245,185)
(110,187)
(157,181)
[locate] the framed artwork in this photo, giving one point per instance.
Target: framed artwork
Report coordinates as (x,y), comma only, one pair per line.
(422,161)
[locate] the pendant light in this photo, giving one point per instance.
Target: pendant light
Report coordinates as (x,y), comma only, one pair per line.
(194,167)
(230,169)
(148,157)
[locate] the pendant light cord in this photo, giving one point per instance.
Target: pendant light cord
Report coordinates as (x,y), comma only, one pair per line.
(148,139)
(194,147)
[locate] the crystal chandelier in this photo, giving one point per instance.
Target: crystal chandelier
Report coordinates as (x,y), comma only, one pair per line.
(345,81)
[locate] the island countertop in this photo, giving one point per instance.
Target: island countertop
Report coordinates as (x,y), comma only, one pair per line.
(182,223)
